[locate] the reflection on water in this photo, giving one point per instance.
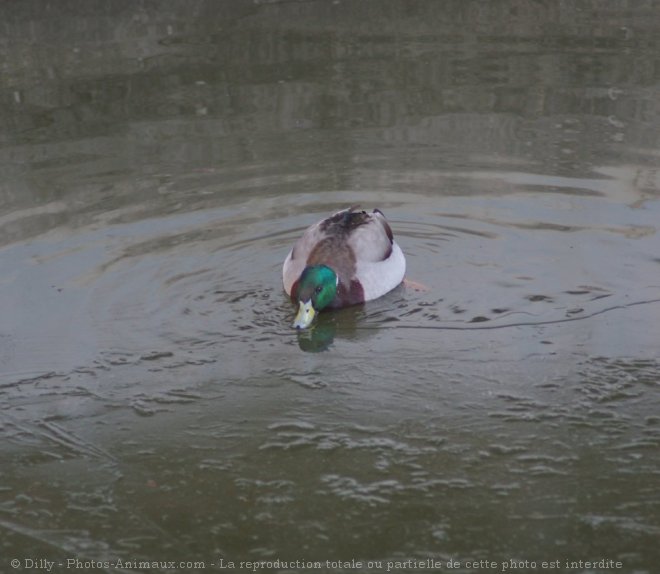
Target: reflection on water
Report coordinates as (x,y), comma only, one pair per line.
(157,166)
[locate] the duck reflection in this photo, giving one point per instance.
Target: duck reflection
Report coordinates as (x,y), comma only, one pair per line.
(357,323)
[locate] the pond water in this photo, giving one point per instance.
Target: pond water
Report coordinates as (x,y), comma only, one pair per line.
(158,161)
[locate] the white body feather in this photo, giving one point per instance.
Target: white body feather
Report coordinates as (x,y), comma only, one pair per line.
(380,277)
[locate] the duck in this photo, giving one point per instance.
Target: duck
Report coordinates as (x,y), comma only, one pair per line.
(346,259)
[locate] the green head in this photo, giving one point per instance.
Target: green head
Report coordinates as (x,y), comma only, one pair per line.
(317,288)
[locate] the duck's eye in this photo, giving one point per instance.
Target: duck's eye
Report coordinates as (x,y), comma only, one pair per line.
(318,289)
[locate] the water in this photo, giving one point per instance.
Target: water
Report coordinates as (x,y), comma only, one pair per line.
(158,162)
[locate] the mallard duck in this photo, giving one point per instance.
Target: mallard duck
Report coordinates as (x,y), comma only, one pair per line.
(348,258)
